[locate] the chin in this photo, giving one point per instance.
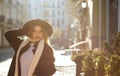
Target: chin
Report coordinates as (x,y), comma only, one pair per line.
(38,39)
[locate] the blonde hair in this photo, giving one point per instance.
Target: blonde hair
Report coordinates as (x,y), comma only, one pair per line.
(45,35)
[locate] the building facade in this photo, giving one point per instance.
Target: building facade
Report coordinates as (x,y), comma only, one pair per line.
(12,15)
(53,11)
(105,22)
(101,23)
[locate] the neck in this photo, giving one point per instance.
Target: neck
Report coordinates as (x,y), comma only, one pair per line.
(34,41)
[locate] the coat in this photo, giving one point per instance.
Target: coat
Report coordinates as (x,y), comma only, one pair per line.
(45,66)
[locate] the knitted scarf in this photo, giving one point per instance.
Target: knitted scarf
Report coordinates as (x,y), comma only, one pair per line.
(36,57)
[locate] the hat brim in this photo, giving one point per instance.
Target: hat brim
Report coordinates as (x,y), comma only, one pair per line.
(46,26)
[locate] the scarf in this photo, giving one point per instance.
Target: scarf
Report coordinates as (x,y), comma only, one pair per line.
(36,57)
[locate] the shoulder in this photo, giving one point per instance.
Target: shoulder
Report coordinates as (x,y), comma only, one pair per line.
(47,46)
(49,51)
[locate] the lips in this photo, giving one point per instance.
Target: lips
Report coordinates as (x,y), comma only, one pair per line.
(37,37)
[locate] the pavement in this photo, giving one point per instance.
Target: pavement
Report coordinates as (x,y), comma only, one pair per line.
(64,65)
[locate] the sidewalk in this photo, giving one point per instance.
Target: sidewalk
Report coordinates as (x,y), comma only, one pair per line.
(6,53)
(64,65)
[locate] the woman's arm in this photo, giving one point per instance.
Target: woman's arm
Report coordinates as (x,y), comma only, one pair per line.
(49,60)
(12,38)
(46,65)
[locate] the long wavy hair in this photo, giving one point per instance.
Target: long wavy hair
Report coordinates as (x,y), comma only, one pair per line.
(45,35)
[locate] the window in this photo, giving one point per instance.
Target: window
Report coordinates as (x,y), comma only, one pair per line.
(53,5)
(10,1)
(46,13)
(53,13)
(58,4)
(46,4)
(58,23)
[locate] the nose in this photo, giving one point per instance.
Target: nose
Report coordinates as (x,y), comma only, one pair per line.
(38,33)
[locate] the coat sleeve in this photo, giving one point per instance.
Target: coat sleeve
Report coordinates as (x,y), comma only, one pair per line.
(46,66)
(12,38)
(50,62)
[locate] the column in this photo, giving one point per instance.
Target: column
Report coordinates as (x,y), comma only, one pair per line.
(107,21)
(95,21)
(118,15)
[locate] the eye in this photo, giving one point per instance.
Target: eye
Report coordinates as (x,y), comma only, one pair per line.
(37,31)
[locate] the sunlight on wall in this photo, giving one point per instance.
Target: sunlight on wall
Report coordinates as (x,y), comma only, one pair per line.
(90,5)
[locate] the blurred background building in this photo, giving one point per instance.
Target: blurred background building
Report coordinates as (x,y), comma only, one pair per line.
(84,24)
(78,25)
(106,21)
(54,12)
(98,20)
(13,13)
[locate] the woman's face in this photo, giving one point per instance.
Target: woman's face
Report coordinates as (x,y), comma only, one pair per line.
(37,34)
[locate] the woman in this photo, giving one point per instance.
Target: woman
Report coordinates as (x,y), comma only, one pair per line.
(33,56)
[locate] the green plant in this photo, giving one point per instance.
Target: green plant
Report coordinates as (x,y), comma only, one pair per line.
(114,63)
(78,59)
(116,44)
(101,61)
(89,64)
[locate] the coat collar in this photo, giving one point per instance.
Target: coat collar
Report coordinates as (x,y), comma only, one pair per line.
(36,57)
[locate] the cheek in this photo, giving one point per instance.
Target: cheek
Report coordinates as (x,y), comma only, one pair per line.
(41,35)
(30,35)
(37,35)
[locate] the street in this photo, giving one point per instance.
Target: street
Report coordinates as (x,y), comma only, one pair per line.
(64,65)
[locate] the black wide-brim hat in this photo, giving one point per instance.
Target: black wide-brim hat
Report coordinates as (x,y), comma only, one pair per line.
(44,25)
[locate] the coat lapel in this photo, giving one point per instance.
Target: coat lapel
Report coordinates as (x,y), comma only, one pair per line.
(36,57)
(21,46)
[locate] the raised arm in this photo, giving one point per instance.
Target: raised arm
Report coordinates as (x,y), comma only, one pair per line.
(12,38)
